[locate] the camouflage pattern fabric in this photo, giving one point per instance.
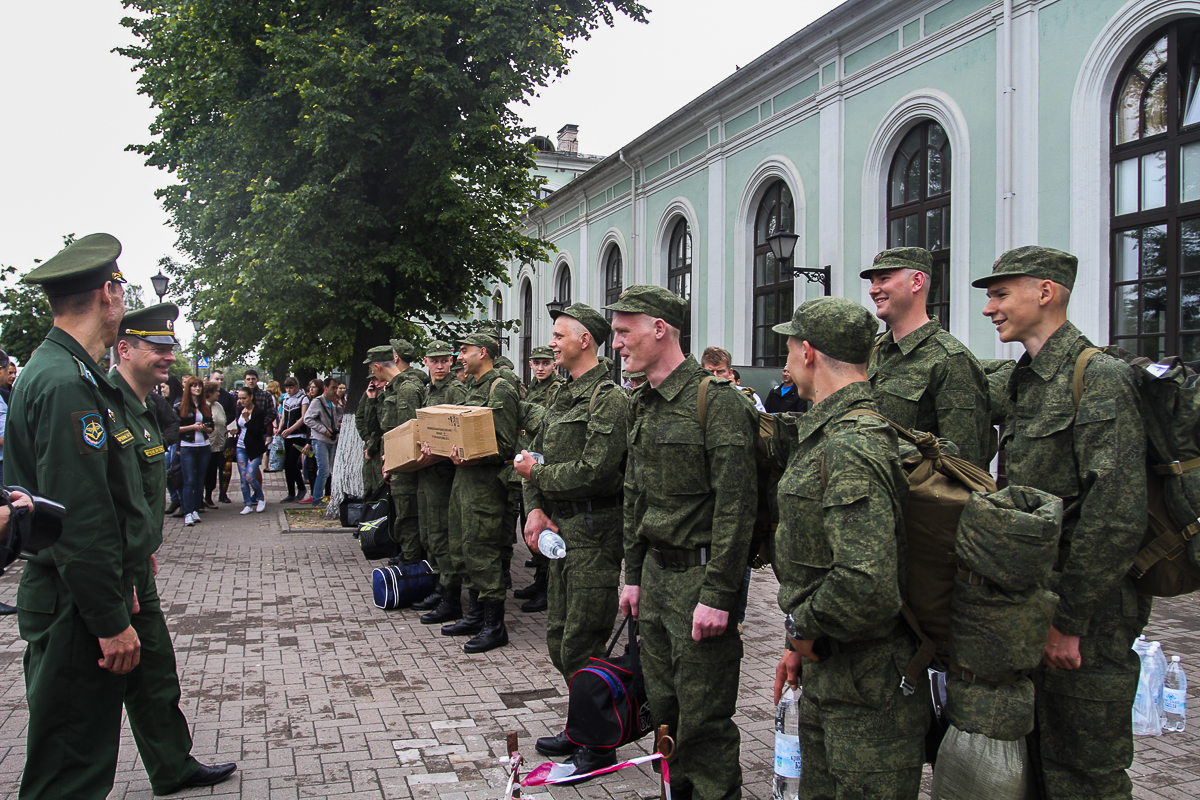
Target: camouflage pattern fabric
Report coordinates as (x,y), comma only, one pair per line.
(477,498)
(1043,263)
(929,381)
(995,633)
(401,400)
(1010,537)
(999,712)
(842,561)
(686,487)
(433,492)
(366,422)
(1093,458)
(584,450)
(543,391)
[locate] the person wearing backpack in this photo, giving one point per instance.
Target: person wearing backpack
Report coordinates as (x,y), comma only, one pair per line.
(1093,456)
(924,379)
(691,495)
(577,494)
(842,561)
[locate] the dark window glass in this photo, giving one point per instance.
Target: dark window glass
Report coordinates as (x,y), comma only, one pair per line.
(1155,254)
(773,288)
(919,206)
(564,285)
(526,328)
(679,275)
(612,292)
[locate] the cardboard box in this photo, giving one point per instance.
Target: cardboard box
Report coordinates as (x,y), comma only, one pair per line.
(401,448)
(469,427)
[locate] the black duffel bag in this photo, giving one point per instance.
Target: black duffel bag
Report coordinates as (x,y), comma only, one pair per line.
(354,511)
(607,705)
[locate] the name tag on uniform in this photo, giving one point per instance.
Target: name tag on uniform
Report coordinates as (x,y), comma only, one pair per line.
(151,452)
(123,437)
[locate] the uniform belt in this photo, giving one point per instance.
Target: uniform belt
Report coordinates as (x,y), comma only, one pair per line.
(971,578)
(570,508)
(829,646)
(971,677)
(678,559)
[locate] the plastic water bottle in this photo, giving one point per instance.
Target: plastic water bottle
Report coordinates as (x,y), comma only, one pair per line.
(787,746)
(551,544)
(1175,696)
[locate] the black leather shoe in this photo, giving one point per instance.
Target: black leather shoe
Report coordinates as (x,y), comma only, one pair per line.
(448,610)
(431,600)
(556,746)
(5,608)
(291,498)
(526,592)
(493,634)
(208,776)
(171,509)
(225,499)
(587,759)
(471,623)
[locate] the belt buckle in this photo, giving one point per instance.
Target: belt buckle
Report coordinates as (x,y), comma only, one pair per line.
(657,555)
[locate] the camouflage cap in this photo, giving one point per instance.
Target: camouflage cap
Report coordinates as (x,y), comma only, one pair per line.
(917,258)
(483,340)
(504,362)
(81,266)
(381,354)
(840,328)
(589,317)
(541,351)
(404,348)
(655,301)
(1044,263)
(154,323)
(438,348)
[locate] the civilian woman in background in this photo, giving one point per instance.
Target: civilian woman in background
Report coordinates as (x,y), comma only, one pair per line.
(323,419)
(250,426)
(195,424)
(310,457)
(168,419)
(216,441)
(295,436)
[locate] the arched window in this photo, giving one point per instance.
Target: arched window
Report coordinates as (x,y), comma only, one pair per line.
(679,276)
(563,288)
(772,286)
(612,289)
(1156,197)
(919,207)
(526,327)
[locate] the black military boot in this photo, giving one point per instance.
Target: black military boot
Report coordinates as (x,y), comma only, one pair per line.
(493,634)
(470,624)
(532,589)
(431,600)
(539,599)
(449,609)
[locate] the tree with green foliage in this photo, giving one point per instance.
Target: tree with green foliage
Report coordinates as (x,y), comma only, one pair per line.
(348,170)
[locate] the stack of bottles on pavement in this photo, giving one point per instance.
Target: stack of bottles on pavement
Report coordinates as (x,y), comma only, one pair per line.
(1161,702)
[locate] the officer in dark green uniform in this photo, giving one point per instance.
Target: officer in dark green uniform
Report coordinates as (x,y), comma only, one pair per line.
(690,499)
(433,493)
(369,426)
(577,494)
(145,352)
(77,598)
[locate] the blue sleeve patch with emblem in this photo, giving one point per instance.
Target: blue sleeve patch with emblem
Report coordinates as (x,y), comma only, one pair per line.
(89,431)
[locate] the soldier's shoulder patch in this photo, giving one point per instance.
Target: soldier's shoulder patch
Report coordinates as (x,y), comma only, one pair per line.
(89,431)
(85,373)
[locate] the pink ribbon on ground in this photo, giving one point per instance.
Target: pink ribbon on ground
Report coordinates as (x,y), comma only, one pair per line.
(551,773)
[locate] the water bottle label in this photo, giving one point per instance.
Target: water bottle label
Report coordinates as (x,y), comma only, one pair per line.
(1174,701)
(787,756)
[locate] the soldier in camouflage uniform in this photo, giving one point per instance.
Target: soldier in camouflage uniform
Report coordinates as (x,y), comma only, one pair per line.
(924,379)
(1093,456)
(401,399)
(477,499)
(841,557)
(546,383)
(433,491)
(577,494)
(369,426)
(690,499)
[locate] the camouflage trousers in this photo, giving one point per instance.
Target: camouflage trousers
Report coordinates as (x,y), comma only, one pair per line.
(1082,739)
(514,512)
(583,596)
(405,530)
(372,474)
(692,686)
(477,534)
(859,735)
(433,519)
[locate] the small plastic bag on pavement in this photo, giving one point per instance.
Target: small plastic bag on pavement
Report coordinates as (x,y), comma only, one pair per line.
(972,766)
(1147,705)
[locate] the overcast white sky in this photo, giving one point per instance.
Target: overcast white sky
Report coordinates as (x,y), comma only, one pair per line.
(70,106)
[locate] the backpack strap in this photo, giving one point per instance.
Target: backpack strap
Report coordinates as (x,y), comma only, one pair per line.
(1080,368)
(492,388)
(595,393)
(702,401)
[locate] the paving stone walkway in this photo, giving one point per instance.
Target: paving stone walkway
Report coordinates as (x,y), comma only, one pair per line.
(288,669)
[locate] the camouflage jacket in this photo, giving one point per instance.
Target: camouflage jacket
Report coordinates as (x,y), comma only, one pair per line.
(840,551)
(583,450)
(400,402)
(1093,457)
(542,392)
(366,422)
(506,412)
(685,486)
(929,381)
(448,391)
(513,380)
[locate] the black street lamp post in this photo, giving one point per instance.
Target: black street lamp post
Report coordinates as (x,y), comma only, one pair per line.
(783,247)
(159,282)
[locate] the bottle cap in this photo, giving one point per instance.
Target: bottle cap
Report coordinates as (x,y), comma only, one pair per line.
(1174,658)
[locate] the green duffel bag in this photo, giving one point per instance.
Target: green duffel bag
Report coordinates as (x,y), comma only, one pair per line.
(999,712)
(1010,537)
(994,634)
